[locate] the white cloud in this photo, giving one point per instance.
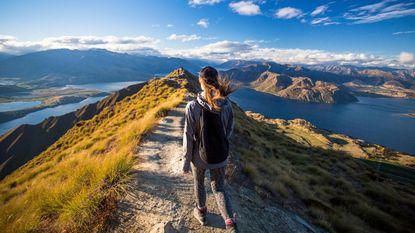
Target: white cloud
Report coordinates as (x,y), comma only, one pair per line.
(406,58)
(204,23)
(219,51)
(320,10)
(245,8)
(203,2)
(323,21)
(11,44)
(169,25)
(183,37)
(403,32)
(210,38)
(229,50)
(384,16)
(320,20)
(373,7)
(288,13)
(379,11)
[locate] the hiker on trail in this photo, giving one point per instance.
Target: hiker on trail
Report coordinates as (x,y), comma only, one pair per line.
(208,126)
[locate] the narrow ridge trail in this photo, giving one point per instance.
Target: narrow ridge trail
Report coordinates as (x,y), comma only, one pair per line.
(160,198)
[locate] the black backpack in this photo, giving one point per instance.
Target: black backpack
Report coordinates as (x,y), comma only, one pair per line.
(213,143)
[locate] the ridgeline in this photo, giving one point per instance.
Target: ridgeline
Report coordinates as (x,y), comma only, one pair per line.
(119,170)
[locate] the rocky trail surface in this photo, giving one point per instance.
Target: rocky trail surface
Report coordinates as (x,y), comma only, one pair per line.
(160,197)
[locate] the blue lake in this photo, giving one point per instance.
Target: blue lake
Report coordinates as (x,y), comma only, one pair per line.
(105,87)
(38,116)
(375,120)
(12,106)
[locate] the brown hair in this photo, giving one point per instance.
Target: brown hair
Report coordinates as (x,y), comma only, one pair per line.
(215,87)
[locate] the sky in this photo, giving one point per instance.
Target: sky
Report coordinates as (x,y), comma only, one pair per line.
(357,32)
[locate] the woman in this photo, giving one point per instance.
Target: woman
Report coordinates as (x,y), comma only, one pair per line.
(208,126)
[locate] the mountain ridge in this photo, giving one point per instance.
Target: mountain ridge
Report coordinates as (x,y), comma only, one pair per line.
(270,174)
(19,145)
(301,88)
(369,82)
(64,66)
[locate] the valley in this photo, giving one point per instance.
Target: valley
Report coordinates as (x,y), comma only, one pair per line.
(46,98)
(207,116)
(53,101)
(321,181)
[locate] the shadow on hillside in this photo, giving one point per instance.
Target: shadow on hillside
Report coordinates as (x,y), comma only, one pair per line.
(334,190)
(338,141)
(398,173)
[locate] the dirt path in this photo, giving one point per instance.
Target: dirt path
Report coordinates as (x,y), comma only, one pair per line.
(160,198)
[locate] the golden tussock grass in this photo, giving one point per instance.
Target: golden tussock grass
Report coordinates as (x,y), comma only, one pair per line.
(66,186)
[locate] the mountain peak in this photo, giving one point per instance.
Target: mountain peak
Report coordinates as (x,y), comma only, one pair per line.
(181,73)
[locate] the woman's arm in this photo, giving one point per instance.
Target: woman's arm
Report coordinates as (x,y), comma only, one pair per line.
(188,137)
(229,126)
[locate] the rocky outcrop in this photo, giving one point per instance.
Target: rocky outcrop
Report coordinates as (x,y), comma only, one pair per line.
(301,88)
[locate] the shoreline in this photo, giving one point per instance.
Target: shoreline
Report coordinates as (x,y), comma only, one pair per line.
(308,134)
(47,103)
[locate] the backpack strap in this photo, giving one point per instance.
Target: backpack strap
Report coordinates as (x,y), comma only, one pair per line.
(197,132)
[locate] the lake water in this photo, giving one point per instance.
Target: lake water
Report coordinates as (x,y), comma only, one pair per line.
(38,116)
(12,106)
(375,120)
(105,87)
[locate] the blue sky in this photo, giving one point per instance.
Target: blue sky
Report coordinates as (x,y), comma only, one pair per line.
(378,32)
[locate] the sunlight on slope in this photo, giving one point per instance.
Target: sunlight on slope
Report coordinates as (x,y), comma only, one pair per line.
(63,187)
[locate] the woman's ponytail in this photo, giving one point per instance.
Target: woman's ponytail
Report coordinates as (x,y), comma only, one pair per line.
(216,88)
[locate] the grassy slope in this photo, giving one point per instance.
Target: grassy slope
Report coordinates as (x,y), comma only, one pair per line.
(334,190)
(67,185)
(81,172)
(307,134)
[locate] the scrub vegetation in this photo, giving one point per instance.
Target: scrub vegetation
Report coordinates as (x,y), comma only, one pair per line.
(331,188)
(73,185)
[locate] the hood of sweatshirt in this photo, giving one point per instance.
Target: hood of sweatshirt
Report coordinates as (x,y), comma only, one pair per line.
(203,102)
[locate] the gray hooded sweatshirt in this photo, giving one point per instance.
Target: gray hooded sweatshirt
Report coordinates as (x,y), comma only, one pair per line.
(191,125)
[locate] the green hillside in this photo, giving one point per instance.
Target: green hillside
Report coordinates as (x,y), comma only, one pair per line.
(331,188)
(72,184)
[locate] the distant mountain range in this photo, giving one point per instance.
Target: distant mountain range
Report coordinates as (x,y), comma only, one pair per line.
(404,78)
(77,179)
(356,80)
(331,73)
(4,56)
(64,66)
